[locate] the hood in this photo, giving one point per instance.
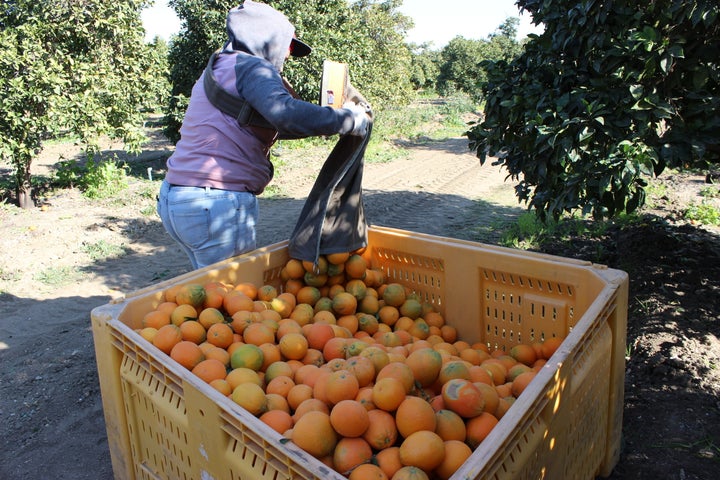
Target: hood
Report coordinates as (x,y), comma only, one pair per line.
(262,31)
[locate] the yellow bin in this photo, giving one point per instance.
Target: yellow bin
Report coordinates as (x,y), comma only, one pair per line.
(165,423)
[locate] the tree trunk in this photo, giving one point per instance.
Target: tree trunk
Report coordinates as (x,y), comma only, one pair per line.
(24,188)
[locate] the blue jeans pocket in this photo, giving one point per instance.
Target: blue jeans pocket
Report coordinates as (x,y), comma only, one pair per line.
(195,226)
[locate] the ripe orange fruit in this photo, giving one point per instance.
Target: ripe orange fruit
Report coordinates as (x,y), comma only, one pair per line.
(258,333)
(349,418)
(388,315)
(341,385)
(382,431)
(156,319)
(456,453)
(294,268)
(193,331)
(211,369)
(549,346)
(449,425)
(236,301)
(266,293)
(192,294)
(400,371)
(187,354)
(414,414)
(308,295)
(388,459)
(490,396)
(425,364)
(520,383)
(337,258)
(220,334)
(148,333)
(367,471)
(463,397)
(247,356)
(355,266)
(218,354)
(251,397)
(344,303)
(248,288)
(349,453)
(293,346)
(478,428)
(210,316)
(221,385)
(278,420)
(423,449)
(298,394)
(241,375)
(314,433)
(280,385)
(394,294)
(388,393)
(524,354)
(167,337)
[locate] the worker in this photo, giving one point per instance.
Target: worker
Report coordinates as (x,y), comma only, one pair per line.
(208,200)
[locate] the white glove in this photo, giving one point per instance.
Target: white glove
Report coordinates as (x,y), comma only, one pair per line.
(360,118)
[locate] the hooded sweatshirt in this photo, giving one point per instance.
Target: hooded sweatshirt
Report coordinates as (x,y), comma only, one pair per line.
(214,150)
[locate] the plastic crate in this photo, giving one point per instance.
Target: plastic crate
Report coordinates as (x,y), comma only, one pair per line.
(163,422)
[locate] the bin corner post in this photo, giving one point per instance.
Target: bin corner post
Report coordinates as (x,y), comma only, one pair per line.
(109,360)
(618,325)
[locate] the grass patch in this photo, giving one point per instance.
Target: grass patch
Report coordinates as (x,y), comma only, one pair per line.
(102,250)
(57,276)
(703,213)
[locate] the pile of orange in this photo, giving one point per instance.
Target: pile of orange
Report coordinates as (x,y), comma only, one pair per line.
(357,371)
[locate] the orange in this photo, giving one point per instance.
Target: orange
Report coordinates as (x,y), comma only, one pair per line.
(382,431)
(211,369)
(220,335)
(349,418)
(277,402)
(388,315)
(516,370)
(388,459)
(520,383)
(266,293)
(362,368)
(258,333)
(368,323)
(369,304)
(218,354)
(425,364)
(423,449)
(187,354)
(318,334)
(334,348)
(298,394)
(367,471)
(355,267)
(247,356)
(310,405)
(294,268)
(400,371)
(449,333)
(248,288)
(240,320)
(221,385)
(192,294)
(410,473)
(240,375)
(278,420)
(156,319)
(490,396)
(411,308)
(337,258)
(193,331)
(549,346)
(414,414)
(236,301)
(166,337)
(344,303)
(308,295)
(293,346)
(394,294)
(313,433)
(277,369)
(463,397)
(183,313)
(478,428)
(341,385)
(453,369)
(251,397)
(280,385)
(148,333)
(449,425)
(171,292)
(456,453)
(377,355)
(214,298)
(434,319)
(349,453)
(388,393)
(210,316)
(524,354)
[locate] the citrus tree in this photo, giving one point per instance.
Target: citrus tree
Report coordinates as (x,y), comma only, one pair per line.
(612,92)
(368,35)
(76,68)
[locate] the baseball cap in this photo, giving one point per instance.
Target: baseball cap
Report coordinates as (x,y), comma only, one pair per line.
(298,48)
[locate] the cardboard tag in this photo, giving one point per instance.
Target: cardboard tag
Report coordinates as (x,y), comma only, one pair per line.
(333,84)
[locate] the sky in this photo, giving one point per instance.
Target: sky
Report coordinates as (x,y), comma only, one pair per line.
(472,19)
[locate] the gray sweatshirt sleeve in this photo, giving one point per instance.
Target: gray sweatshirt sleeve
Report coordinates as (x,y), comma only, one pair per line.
(261,85)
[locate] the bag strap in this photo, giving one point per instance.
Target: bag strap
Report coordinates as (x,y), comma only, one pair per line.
(234,106)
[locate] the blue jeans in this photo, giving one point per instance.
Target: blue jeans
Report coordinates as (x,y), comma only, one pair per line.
(209,224)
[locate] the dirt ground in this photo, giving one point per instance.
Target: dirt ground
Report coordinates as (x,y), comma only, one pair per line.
(70,255)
